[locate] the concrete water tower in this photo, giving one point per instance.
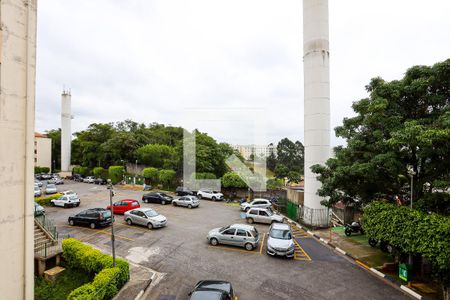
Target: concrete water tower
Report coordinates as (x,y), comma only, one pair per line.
(66,130)
(316,59)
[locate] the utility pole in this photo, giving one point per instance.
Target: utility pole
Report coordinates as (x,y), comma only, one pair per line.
(111,194)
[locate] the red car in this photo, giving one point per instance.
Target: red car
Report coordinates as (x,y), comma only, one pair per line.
(120,207)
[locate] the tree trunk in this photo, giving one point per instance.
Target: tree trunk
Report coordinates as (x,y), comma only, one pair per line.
(446,291)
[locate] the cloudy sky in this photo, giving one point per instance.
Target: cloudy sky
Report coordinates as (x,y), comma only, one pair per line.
(221,65)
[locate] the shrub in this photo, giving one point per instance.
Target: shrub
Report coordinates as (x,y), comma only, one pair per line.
(232,179)
(98,171)
(45,169)
(108,280)
(274,184)
(151,174)
(85,171)
(46,199)
(167,177)
(116,173)
(204,175)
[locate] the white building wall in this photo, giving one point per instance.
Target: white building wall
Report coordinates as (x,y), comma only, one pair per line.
(17,92)
(317,94)
(43,152)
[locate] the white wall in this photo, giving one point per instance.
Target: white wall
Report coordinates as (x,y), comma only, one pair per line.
(43,153)
(17,92)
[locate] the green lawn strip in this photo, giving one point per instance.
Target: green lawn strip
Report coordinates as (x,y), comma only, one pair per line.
(69,280)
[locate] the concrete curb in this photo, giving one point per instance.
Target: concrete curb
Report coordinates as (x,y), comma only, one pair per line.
(402,287)
(149,282)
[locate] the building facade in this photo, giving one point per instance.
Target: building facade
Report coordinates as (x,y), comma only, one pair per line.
(42,151)
(258,151)
(17,104)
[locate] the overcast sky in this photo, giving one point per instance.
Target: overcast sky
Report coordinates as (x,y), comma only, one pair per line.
(166,60)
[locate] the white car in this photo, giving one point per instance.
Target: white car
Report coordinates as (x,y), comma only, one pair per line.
(209,194)
(280,241)
(256,203)
(69,193)
(37,191)
(186,201)
(66,201)
(89,179)
(50,189)
(262,215)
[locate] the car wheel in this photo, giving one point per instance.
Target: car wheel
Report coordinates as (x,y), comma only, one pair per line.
(174,204)
(189,206)
(53,204)
(65,205)
(214,242)
(248,247)
(71,223)
(129,222)
(92,225)
(150,225)
(250,220)
(163,202)
(213,198)
(199,196)
(78,204)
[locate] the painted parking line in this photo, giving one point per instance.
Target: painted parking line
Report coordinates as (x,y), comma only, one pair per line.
(262,244)
(233,249)
(95,231)
(299,253)
(133,227)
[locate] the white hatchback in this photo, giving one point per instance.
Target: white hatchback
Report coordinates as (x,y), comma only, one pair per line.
(256,203)
(66,201)
(186,201)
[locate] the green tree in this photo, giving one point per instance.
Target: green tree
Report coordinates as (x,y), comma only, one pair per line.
(291,154)
(157,156)
(233,180)
(55,135)
(294,177)
(281,171)
(402,123)
(98,171)
(167,178)
(271,162)
(151,174)
(116,174)
(274,184)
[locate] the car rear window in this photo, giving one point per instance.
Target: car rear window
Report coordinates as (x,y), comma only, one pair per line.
(106,214)
(134,203)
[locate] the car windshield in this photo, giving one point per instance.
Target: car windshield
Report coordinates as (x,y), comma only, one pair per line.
(73,197)
(52,186)
(36,188)
(151,213)
(106,214)
(281,234)
(223,228)
(69,193)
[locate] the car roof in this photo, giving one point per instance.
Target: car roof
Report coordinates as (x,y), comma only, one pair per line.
(242,226)
(127,200)
(143,209)
(260,208)
(259,199)
(214,285)
(280,226)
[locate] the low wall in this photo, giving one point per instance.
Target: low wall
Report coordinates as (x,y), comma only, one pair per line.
(295,196)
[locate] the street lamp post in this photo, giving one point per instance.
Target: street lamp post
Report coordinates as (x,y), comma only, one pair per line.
(411,174)
(111,195)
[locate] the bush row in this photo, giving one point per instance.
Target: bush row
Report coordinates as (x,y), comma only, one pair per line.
(410,231)
(108,280)
(45,200)
(166,177)
(38,170)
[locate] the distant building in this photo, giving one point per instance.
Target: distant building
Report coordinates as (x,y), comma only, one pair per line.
(257,150)
(42,150)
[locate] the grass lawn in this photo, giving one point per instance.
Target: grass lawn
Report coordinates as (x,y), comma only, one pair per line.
(66,283)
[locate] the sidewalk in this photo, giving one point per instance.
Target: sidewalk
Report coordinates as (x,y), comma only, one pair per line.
(139,280)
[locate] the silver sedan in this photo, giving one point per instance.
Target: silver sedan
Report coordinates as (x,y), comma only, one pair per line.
(186,201)
(145,217)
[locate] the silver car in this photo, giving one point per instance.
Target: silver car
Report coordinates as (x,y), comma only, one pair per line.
(262,215)
(256,203)
(186,201)
(280,241)
(51,189)
(236,235)
(37,191)
(146,217)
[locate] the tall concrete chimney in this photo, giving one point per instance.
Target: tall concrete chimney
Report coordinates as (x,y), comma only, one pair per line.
(316,58)
(66,131)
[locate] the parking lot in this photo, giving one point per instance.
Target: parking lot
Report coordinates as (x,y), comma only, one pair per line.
(182,256)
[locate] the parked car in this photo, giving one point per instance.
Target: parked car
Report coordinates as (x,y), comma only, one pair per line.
(186,201)
(77,177)
(50,189)
(208,194)
(37,191)
(212,290)
(280,240)
(89,179)
(100,181)
(39,183)
(38,210)
(262,215)
(120,207)
(256,203)
(94,217)
(236,235)
(55,180)
(69,192)
(183,191)
(145,217)
(66,201)
(46,176)
(157,198)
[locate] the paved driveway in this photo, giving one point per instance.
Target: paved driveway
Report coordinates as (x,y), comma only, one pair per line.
(181,255)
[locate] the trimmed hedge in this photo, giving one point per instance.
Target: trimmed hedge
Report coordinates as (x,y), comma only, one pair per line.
(116,174)
(44,201)
(38,170)
(108,280)
(151,174)
(411,231)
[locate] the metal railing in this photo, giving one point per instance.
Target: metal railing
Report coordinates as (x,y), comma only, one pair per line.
(48,225)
